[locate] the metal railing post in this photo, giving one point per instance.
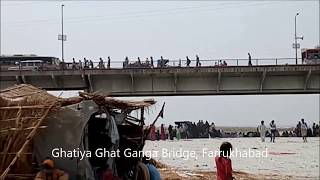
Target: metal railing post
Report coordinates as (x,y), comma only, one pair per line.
(237,62)
(276,61)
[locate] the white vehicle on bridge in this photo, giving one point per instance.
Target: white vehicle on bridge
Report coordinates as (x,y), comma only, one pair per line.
(310,56)
(30,65)
(13,62)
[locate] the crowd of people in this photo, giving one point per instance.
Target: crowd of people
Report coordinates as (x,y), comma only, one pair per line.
(149,62)
(86,64)
(223,161)
(301,130)
(185,130)
(201,129)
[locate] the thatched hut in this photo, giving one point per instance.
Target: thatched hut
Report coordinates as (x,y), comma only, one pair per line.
(34,122)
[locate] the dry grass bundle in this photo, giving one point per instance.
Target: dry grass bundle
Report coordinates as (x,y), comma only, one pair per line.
(113,103)
(22,109)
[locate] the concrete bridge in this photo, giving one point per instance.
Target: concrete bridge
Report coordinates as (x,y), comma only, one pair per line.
(175,81)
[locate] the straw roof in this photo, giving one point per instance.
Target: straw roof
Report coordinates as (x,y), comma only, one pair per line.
(22,110)
(113,103)
(25,95)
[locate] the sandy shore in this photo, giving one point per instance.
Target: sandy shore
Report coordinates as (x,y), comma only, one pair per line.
(174,174)
(288,158)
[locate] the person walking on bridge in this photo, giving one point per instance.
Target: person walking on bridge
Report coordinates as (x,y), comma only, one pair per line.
(126,62)
(151,61)
(80,64)
(139,61)
(262,130)
(73,64)
(249,62)
(91,64)
(109,61)
(188,61)
(101,63)
(197,61)
(86,64)
(161,61)
(225,63)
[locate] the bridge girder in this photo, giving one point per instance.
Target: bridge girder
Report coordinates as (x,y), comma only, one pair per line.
(177,81)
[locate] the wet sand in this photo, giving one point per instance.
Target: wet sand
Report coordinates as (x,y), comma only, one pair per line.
(288,158)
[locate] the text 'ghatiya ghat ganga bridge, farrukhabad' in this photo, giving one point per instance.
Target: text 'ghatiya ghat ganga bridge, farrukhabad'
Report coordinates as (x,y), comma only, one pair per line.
(234,79)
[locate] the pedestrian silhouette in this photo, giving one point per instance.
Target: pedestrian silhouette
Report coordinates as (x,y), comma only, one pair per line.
(151,61)
(109,61)
(198,61)
(188,61)
(249,62)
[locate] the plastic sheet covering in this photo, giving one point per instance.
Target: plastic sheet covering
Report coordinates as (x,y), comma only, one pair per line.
(65,130)
(114,135)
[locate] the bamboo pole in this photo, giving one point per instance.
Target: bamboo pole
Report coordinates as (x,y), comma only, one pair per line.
(25,94)
(25,107)
(11,88)
(14,119)
(25,129)
(10,141)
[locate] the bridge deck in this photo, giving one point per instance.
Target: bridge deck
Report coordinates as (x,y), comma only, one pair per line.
(280,79)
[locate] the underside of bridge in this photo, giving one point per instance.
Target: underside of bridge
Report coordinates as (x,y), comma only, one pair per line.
(293,79)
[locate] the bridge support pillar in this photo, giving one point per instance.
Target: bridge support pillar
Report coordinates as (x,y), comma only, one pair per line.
(90,82)
(87,82)
(264,74)
(132,83)
(24,80)
(306,82)
(54,80)
(175,82)
(219,81)
(19,80)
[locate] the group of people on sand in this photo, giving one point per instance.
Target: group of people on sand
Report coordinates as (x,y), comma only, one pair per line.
(262,129)
(223,161)
(184,131)
(313,131)
(302,130)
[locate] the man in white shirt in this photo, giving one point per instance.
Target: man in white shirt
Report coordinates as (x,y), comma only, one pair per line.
(304,130)
(262,130)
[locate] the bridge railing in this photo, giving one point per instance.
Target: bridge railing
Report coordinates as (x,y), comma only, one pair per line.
(116,64)
(209,62)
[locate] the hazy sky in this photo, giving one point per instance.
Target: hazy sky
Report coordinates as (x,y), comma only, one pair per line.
(212,29)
